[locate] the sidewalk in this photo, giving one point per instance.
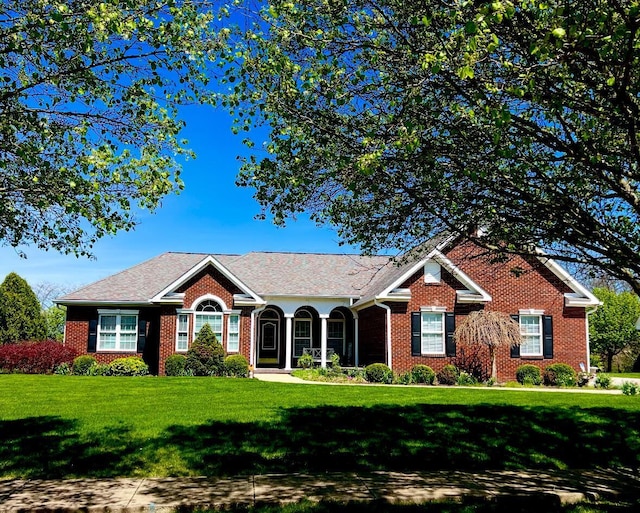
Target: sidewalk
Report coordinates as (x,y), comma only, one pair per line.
(129,495)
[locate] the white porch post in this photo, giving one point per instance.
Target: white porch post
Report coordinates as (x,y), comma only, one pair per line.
(356,340)
(323,341)
(288,344)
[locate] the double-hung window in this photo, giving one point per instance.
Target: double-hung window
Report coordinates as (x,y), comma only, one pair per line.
(182,337)
(117,330)
(233,333)
(531,332)
(432,333)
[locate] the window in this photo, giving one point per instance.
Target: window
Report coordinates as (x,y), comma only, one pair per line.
(432,272)
(233,333)
(335,332)
(432,333)
(531,332)
(182,340)
(118,331)
(301,332)
(209,312)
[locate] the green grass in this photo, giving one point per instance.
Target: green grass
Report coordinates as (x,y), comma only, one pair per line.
(634,375)
(68,426)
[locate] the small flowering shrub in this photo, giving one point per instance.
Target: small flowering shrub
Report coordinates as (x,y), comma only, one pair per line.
(305,361)
(175,365)
(448,375)
(129,366)
(423,374)
(529,375)
(630,388)
(603,381)
(378,373)
(34,357)
(236,366)
(559,375)
(82,364)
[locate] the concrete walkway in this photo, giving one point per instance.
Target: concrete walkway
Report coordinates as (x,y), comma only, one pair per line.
(546,489)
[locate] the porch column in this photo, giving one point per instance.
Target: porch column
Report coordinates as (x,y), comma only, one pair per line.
(356,340)
(288,343)
(323,340)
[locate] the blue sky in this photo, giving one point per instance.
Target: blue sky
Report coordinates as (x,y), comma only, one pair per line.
(210,215)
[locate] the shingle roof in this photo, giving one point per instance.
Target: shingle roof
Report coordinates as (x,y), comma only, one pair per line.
(307,274)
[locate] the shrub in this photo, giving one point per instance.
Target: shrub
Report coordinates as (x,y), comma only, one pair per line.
(129,366)
(236,366)
(64,369)
(630,388)
(34,357)
(378,373)
(559,375)
(448,375)
(466,379)
(603,381)
(100,369)
(82,364)
(335,362)
(206,355)
(529,375)
(305,361)
(406,378)
(175,364)
(423,374)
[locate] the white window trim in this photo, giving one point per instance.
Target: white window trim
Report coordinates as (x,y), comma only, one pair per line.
(233,313)
(187,314)
(118,314)
(437,310)
(540,334)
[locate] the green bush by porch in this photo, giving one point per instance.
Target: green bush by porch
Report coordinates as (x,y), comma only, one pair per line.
(79,426)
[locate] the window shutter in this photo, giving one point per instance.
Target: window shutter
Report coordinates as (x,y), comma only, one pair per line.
(93,336)
(142,335)
(416,334)
(450,327)
(515,350)
(547,336)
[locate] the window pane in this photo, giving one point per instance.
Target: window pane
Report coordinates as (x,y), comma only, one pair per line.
(300,344)
(431,322)
(183,322)
(128,341)
(233,343)
(107,341)
(303,329)
(107,323)
(182,342)
(531,344)
(335,329)
(529,324)
(432,343)
(128,323)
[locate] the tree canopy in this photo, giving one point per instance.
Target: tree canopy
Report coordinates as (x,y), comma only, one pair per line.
(394,120)
(89,130)
(612,328)
(20,314)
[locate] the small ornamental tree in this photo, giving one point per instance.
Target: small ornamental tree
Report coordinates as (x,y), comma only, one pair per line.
(206,355)
(488,329)
(20,315)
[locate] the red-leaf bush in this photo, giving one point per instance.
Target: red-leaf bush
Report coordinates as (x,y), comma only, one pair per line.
(34,357)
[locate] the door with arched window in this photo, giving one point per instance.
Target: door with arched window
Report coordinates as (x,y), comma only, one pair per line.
(269,338)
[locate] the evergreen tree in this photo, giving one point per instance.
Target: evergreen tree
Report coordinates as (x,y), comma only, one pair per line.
(20,314)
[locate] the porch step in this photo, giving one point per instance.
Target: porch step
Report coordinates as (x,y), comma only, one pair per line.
(270,371)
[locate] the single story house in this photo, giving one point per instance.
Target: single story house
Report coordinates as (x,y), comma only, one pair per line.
(274,307)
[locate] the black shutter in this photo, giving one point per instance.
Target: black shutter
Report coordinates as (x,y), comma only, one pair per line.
(450,327)
(93,336)
(515,350)
(416,334)
(547,336)
(142,335)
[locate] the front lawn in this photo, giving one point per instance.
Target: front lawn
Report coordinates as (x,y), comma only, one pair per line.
(71,426)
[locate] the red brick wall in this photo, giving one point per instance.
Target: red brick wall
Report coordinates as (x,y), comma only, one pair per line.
(513,285)
(164,319)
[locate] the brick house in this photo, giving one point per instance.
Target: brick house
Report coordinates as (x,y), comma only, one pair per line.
(274,307)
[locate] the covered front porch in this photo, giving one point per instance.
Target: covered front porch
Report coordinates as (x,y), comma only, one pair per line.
(284,330)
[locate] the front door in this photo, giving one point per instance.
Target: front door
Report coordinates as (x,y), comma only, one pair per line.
(269,340)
